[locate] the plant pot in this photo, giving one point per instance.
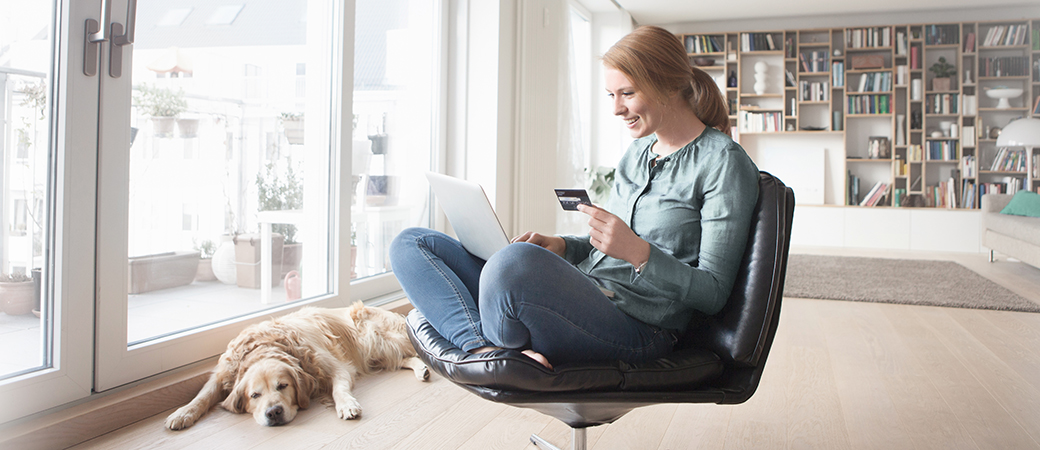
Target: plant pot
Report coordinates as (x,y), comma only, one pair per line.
(161,271)
(941,84)
(187,128)
(162,127)
(205,271)
(294,131)
(17,298)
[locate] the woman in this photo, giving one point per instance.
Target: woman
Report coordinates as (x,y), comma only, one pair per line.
(668,244)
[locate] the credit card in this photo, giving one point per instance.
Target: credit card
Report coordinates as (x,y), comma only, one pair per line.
(571,198)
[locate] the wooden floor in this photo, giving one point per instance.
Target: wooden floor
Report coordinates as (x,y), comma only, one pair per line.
(841,375)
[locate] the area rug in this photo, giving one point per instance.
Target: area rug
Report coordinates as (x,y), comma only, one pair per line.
(911,282)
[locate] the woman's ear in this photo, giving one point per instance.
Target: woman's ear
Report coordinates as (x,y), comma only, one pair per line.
(235,401)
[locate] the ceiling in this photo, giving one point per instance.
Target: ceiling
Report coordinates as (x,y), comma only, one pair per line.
(680,11)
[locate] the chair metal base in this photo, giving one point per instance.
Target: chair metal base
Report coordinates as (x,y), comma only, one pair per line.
(577,441)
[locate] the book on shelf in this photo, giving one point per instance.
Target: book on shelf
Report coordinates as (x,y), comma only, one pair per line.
(852,194)
(971,105)
(1006,35)
(753,42)
(969,42)
(760,122)
(790,78)
(876,193)
(1009,160)
(1004,66)
(941,34)
(914,60)
(942,150)
(968,136)
(901,43)
(968,194)
(838,73)
(1036,106)
(914,152)
(868,37)
(897,197)
(814,91)
(968,166)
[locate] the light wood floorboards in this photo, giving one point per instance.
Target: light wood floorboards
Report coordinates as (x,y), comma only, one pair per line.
(841,375)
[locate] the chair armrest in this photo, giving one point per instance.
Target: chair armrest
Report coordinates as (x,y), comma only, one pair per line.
(513,371)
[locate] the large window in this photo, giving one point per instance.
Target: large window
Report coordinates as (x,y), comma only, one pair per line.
(395,83)
(154,213)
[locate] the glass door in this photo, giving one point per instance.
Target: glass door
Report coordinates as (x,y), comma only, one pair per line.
(49,135)
(217,193)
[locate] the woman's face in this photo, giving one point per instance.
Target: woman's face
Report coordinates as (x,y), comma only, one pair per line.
(641,114)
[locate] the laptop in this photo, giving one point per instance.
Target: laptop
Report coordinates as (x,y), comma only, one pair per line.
(470,214)
(472,217)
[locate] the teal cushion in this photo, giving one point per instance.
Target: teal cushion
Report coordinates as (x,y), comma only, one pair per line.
(1024,203)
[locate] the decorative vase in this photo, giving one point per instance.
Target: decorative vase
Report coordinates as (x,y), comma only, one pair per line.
(761,70)
(223,263)
(16,298)
(293,286)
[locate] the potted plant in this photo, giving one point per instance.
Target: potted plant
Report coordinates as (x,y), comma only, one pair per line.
(944,74)
(599,182)
(16,294)
(292,124)
(162,105)
(205,270)
(282,193)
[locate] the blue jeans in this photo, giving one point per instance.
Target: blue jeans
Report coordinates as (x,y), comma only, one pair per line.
(524,297)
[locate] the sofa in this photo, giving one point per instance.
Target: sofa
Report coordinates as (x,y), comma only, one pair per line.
(1015,236)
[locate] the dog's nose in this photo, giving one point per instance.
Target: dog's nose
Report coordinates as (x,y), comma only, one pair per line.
(274,414)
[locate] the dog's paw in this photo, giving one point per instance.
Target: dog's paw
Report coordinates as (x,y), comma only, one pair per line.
(348,409)
(180,420)
(423,373)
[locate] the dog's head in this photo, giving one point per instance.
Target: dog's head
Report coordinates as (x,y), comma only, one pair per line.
(272,390)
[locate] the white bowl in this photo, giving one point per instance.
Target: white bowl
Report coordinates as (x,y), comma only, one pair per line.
(1003,94)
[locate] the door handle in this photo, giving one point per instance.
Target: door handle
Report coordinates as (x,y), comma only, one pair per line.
(120,39)
(95,33)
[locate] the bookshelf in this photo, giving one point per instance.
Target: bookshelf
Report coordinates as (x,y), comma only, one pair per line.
(922,139)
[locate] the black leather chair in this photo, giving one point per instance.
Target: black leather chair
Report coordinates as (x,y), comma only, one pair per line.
(719,360)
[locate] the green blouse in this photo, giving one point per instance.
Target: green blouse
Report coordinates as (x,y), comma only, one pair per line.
(694,208)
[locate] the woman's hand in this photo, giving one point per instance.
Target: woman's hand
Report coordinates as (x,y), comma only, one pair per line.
(612,236)
(554,244)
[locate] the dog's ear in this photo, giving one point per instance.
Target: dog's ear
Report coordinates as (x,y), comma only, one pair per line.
(305,385)
(235,401)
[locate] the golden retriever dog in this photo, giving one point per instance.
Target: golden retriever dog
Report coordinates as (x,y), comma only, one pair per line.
(274,368)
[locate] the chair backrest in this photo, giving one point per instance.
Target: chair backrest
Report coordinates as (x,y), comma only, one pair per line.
(742,332)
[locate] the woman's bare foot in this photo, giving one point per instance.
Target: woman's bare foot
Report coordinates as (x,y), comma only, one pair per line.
(538,357)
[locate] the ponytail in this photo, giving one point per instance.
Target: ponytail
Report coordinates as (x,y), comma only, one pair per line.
(707,101)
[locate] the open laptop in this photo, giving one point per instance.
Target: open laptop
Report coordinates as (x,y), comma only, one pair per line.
(472,217)
(470,214)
